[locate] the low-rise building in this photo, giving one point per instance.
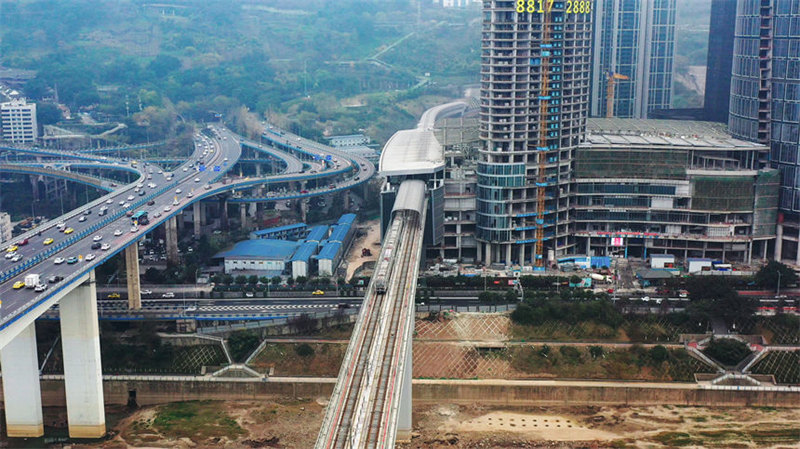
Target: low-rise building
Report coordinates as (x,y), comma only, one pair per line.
(262,257)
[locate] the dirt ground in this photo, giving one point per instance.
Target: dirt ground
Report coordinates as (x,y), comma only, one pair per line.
(294,423)
(655,427)
(371,240)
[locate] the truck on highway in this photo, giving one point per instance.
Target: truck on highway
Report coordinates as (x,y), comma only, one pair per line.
(600,277)
(31,280)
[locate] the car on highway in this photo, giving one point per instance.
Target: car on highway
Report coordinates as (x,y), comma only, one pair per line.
(58,260)
(122,202)
(178,191)
(96,245)
(151,185)
(89,257)
(134,229)
(18,285)
(185,168)
(207,187)
(168,295)
(126,205)
(114,295)
(167,208)
(23,242)
(40,288)
(142,193)
(190,195)
(55,278)
(130,198)
(156,214)
(109,201)
(151,203)
(12,248)
(146,292)
(82,219)
(16,258)
(317,292)
(48,241)
(72,260)
(11,255)
(117,233)
(97,238)
(69,231)
(129,213)
(175,201)
(105,247)
(196,179)
(61,226)
(248,294)
(87,212)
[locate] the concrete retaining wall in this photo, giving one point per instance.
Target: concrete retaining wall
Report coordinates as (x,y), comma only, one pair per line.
(496,392)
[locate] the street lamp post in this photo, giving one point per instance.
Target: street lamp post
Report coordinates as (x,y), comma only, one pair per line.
(778,287)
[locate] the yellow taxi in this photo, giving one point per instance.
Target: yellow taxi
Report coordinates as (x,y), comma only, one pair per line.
(48,241)
(18,285)
(318,292)
(12,248)
(68,231)
(113,296)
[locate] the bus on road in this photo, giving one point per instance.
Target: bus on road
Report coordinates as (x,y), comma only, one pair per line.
(140,218)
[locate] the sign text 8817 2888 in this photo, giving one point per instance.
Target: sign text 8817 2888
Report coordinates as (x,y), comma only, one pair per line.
(538,6)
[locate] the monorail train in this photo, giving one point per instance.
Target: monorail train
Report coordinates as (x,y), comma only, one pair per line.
(386,260)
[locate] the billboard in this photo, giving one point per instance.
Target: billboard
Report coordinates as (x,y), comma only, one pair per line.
(617,241)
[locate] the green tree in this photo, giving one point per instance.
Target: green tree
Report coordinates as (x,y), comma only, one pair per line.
(301,280)
(727,351)
(47,113)
(163,64)
(304,350)
(767,276)
(264,280)
(596,351)
(658,354)
(276,280)
(241,279)
(252,279)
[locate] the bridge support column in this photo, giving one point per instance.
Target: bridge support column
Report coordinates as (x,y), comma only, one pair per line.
(778,243)
(404,411)
(134,283)
(172,240)
(224,215)
(196,214)
(243,214)
(83,380)
(21,391)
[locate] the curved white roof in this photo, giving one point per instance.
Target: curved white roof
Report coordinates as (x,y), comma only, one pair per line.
(417,151)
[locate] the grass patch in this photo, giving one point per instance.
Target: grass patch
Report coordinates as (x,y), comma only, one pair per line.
(196,420)
(676,439)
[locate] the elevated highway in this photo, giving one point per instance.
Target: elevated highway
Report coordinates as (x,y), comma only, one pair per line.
(68,260)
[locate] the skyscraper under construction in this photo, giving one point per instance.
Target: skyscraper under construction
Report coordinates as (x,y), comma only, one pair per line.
(535,74)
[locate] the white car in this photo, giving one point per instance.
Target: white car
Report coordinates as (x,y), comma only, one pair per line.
(89,257)
(118,232)
(122,202)
(126,205)
(16,258)
(146,292)
(161,172)
(207,187)
(185,168)
(130,197)
(189,195)
(11,255)
(97,238)
(140,185)
(134,229)
(82,219)
(105,247)
(196,179)
(168,295)
(175,202)
(151,185)
(178,191)
(109,201)
(40,288)
(59,260)
(60,226)
(156,214)
(167,208)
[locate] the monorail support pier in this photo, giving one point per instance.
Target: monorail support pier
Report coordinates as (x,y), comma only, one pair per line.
(134,282)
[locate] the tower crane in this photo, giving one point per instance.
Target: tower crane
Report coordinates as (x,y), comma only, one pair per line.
(612,78)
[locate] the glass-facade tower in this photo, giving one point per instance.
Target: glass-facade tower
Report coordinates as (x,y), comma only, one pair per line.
(636,39)
(765,99)
(535,67)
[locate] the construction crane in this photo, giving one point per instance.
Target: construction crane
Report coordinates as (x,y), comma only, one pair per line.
(612,78)
(541,178)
